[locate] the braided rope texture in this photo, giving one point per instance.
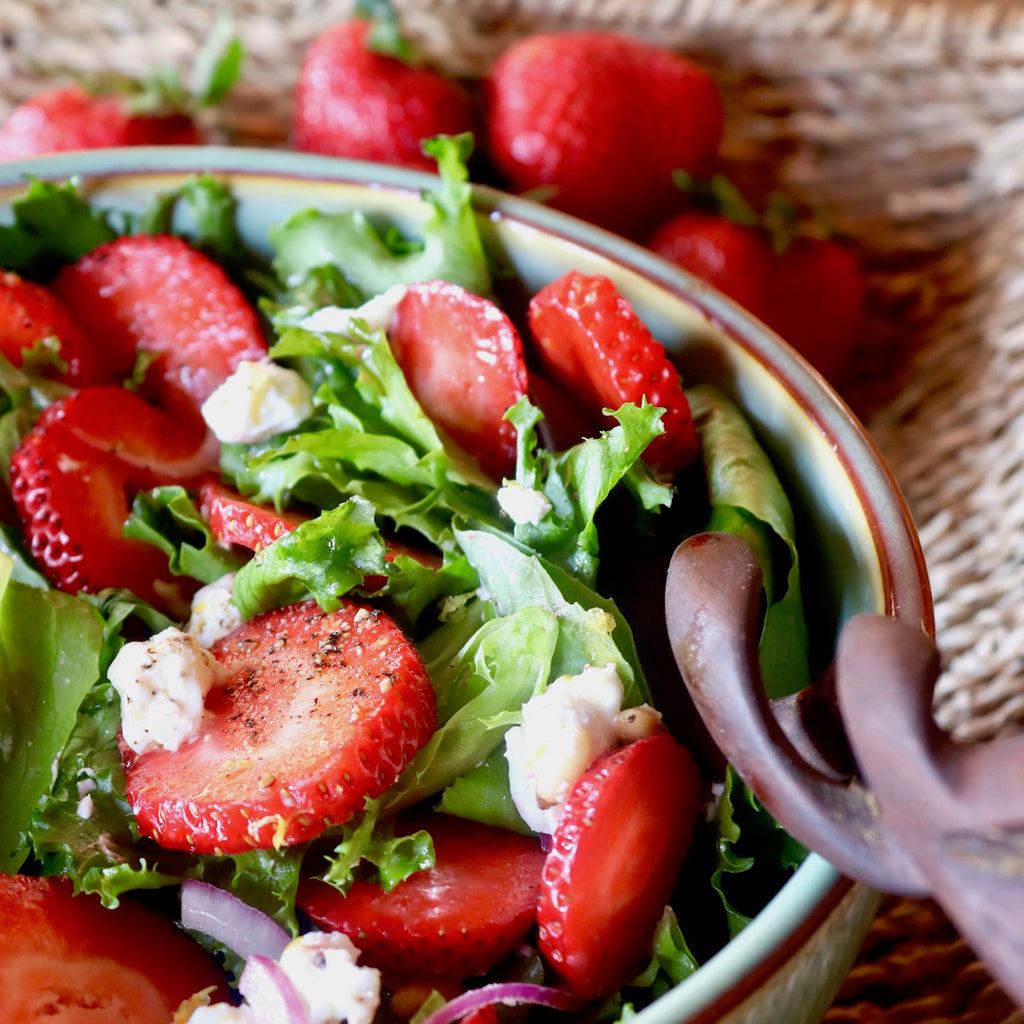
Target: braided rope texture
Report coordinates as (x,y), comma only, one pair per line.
(903,122)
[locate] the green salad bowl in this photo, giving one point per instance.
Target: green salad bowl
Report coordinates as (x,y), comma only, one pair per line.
(857,540)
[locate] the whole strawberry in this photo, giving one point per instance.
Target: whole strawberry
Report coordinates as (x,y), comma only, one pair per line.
(601,121)
(812,293)
(816,301)
(71,118)
(355,102)
(119,111)
(734,258)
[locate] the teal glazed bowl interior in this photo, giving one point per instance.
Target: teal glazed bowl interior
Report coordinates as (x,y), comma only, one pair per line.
(856,535)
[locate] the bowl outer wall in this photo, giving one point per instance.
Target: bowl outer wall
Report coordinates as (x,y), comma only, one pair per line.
(786,965)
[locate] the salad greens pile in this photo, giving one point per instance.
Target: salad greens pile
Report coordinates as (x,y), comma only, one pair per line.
(510,607)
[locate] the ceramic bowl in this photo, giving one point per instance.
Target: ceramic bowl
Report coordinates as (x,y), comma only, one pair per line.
(857,538)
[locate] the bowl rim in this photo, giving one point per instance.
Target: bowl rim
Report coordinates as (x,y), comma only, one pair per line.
(816,888)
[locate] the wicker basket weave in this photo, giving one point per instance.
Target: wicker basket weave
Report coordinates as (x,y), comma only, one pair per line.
(904,123)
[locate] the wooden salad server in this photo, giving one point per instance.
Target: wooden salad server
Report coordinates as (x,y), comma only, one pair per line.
(855,766)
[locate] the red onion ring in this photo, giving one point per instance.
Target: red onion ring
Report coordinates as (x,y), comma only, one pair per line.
(223,916)
(510,993)
(270,993)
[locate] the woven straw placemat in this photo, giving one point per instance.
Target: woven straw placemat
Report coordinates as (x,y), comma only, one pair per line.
(904,122)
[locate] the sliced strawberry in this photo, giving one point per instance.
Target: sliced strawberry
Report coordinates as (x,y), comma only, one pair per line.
(158,294)
(456,919)
(29,314)
(69,958)
(593,345)
(234,520)
(563,424)
(319,711)
(464,362)
(614,859)
(71,118)
(75,475)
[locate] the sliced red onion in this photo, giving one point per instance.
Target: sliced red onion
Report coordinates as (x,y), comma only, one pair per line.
(270,993)
(223,916)
(509,993)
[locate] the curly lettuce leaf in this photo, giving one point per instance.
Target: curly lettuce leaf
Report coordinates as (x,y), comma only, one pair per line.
(167,518)
(123,613)
(747,499)
(50,646)
(671,962)
(372,841)
(323,558)
(578,480)
(483,794)
(212,209)
(370,391)
(749,841)
(414,587)
(368,437)
(450,247)
(53,224)
(24,394)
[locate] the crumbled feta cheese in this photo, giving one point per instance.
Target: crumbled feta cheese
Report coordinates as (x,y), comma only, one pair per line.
(87,783)
(260,399)
(322,967)
(637,723)
(86,786)
(377,313)
(523,504)
(214,613)
(564,729)
(163,683)
(714,799)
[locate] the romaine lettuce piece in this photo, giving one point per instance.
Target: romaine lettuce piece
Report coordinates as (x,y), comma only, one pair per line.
(50,646)
(747,499)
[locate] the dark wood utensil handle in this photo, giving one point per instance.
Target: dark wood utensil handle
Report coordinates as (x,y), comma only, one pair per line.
(957,809)
(712,605)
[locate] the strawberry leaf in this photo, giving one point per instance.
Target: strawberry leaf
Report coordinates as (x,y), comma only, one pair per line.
(215,70)
(159,94)
(386,36)
(218,65)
